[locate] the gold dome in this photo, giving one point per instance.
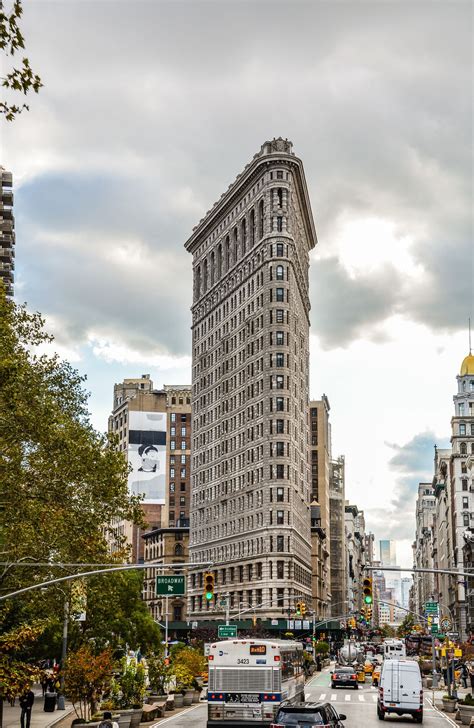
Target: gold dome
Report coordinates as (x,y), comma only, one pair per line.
(467,367)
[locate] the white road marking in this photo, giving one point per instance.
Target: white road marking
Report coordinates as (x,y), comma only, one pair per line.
(333,696)
(362,698)
(322,696)
(448,720)
(347,698)
(168,720)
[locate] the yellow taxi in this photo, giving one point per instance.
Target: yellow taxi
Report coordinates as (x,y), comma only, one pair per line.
(368,667)
(376,675)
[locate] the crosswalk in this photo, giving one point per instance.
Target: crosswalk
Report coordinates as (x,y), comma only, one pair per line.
(347,697)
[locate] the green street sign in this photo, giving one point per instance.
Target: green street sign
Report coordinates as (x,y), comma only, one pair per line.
(431,607)
(227,631)
(434,629)
(170,586)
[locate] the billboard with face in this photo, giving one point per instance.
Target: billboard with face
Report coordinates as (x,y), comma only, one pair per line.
(147,455)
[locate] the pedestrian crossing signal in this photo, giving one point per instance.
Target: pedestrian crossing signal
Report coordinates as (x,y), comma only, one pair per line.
(208,585)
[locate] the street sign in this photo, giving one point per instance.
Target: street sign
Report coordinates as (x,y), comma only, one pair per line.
(226,631)
(446,624)
(434,629)
(170,586)
(431,607)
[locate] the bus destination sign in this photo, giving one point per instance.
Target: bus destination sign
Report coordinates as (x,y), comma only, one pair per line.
(258,649)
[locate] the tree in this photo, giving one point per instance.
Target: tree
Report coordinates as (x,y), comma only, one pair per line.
(63,483)
(20,80)
(192,659)
(86,677)
(321,648)
(387,631)
(16,673)
(406,626)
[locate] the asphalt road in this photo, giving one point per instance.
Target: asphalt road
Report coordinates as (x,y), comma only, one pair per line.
(360,707)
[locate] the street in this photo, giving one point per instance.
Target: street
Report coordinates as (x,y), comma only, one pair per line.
(359,707)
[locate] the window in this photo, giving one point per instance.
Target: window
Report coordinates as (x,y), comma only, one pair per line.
(279,316)
(280,359)
(472,428)
(280,569)
(280,338)
(280,425)
(280,273)
(173,445)
(182,487)
(279,250)
(280,518)
(279,224)
(183,432)
(280,471)
(462,429)
(280,296)
(183,459)
(465,519)
(464,484)
(471,385)
(280,381)
(177,613)
(280,495)
(171,472)
(261,219)
(463,448)
(173,431)
(172,486)
(173,417)
(279,175)
(280,449)
(461,409)
(465,502)
(280,404)
(182,500)
(183,472)
(280,543)
(183,417)
(183,445)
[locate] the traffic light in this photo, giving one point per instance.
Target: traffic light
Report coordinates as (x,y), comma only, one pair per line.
(367,590)
(298,609)
(303,609)
(208,585)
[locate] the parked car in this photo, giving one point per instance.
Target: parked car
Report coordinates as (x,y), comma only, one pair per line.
(307,715)
(345,676)
(400,689)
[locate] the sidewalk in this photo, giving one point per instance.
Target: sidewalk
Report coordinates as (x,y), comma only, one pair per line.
(39,719)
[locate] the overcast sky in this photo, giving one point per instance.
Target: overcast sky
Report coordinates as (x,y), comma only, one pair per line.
(148,112)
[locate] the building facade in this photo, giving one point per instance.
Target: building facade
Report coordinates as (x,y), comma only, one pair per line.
(337,532)
(7,231)
(168,545)
(153,430)
(355,556)
(251,489)
(423,547)
(388,555)
(320,457)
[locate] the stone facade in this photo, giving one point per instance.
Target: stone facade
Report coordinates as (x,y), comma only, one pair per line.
(251,480)
(337,534)
(7,231)
(423,546)
(354,524)
(138,395)
(166,546)
(320,458)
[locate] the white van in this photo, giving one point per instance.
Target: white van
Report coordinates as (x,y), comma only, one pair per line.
(400,689)
(394,649)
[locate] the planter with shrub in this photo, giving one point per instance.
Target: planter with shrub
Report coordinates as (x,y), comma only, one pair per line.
(466,709)
(449,704)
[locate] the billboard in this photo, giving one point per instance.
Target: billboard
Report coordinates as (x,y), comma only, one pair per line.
(147,455)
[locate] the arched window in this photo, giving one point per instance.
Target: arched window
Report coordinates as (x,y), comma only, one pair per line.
(235,248)
(243,235)
(463,448)
(198,281)
(280,197)
(252,227)
(280,273)
(178,550)
(260,220)
(471,385)
(219,261)
(227,254)
(212,271)
(204,277)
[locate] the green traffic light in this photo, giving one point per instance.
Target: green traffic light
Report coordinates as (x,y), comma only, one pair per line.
(368,599)
(209,596)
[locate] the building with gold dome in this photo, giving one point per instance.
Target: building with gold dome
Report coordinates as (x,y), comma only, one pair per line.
(467,367)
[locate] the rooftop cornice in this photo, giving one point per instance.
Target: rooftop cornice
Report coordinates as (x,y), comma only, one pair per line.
(279,150)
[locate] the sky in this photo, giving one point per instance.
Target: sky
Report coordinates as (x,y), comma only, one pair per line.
(149,111)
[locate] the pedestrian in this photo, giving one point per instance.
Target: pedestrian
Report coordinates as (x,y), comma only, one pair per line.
(107,721)
(464,675)
(471,675)
(318,663)
(26,704)
(44,682)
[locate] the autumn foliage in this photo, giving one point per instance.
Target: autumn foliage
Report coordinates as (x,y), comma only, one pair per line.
(86,677)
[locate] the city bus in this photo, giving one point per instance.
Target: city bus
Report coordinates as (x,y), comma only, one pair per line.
(249,679)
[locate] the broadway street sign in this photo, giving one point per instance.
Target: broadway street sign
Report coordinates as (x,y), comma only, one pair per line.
(227,631)
(170,586)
